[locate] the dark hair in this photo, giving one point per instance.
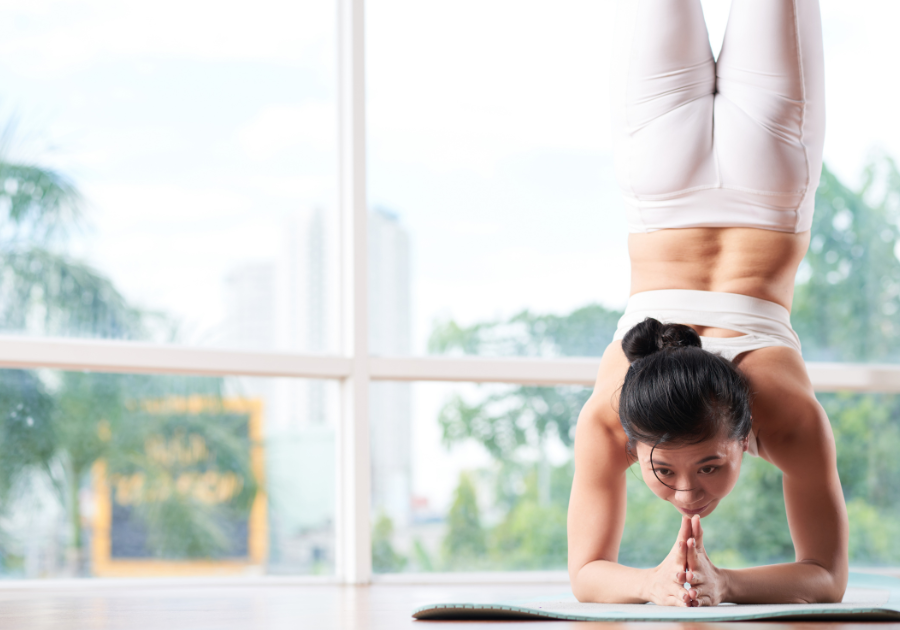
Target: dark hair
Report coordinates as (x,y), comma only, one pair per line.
(677,393)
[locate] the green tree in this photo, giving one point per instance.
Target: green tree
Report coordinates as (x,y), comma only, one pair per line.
(385,559)
(465,543)
(506,420)
(42,289)
(867,433)
(847,297)
(532,534)
(517,426)
(61,433)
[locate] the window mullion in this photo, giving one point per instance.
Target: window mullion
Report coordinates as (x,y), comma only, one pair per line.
(354,557)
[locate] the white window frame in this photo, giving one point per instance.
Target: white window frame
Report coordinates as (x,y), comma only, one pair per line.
(353,367)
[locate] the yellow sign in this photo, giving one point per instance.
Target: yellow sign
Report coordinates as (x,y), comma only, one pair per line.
(120,492)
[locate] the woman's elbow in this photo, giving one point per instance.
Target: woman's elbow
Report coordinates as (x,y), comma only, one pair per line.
(578,587)
(583,582)
(834,593)
(830,590)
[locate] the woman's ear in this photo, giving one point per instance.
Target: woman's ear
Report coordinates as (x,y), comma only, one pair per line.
(745,444)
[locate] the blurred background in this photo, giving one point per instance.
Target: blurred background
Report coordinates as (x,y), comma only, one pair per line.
(168,174)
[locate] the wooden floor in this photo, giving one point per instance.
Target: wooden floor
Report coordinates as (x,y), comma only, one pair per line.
(312,607)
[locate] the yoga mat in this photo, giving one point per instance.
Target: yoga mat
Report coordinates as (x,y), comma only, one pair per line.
(868,597)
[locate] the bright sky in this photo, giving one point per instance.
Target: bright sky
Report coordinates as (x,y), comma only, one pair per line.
(196,128)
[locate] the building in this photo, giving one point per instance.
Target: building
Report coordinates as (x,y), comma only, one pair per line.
(390,335)
(289,304)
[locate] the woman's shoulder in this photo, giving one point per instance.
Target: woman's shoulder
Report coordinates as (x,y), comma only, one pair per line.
(602,408)
(787,417)
(599,432)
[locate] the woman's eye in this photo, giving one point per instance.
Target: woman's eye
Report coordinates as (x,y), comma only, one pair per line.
(663,472)
(706,470)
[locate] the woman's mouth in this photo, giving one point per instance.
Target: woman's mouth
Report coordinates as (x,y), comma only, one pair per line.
(698,510)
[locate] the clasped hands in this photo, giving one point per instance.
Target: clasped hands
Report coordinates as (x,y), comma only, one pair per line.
(687,563)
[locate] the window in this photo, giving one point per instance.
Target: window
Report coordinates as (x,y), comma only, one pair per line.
(489,150)
(124,475)
(265,257)
(205,142)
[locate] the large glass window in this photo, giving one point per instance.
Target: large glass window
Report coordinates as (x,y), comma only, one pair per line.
(749,527)
(477,478)
(470,477)
(495,166)
(491,146)
(168,172)
(116,475)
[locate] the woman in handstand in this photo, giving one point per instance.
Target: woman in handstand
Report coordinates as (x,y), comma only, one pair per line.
(719,164)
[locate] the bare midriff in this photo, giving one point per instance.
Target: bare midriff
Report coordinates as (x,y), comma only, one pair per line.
(749,261)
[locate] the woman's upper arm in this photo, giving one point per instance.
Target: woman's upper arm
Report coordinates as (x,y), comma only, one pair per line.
(597,505)
(795,436)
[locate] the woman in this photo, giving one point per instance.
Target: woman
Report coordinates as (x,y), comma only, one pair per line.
(719,163)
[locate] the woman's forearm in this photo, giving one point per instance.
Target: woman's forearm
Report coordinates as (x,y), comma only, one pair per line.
(607,582)
(791,583)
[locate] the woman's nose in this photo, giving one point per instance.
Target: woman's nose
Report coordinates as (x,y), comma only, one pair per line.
(688,490)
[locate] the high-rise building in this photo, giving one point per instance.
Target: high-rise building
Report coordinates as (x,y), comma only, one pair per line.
(249,300)
(390,334)
(287,304)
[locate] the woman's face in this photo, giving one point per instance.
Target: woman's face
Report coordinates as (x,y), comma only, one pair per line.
(694,477)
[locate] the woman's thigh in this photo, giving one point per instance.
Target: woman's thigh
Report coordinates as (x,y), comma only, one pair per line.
(663,86)
(770,101)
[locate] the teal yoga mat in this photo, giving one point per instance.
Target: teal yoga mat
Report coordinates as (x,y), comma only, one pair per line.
(868,597)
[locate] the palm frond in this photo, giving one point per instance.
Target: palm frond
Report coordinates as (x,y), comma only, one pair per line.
(57,295)
(36,203)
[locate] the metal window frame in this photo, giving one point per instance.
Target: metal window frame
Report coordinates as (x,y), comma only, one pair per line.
(355,371)
(354,368)
(102,355)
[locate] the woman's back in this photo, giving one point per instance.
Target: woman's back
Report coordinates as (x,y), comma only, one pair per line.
(753,262)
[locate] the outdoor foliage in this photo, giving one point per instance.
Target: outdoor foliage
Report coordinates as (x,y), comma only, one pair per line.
(385,558)
(847,302)
(55,426)
(845,309)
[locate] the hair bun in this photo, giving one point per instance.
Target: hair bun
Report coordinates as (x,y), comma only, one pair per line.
(651,336)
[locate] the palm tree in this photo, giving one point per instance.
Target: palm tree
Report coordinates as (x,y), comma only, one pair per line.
(42,290)
(58,425)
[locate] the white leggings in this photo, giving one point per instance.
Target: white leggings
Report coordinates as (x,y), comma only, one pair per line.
(736,143)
